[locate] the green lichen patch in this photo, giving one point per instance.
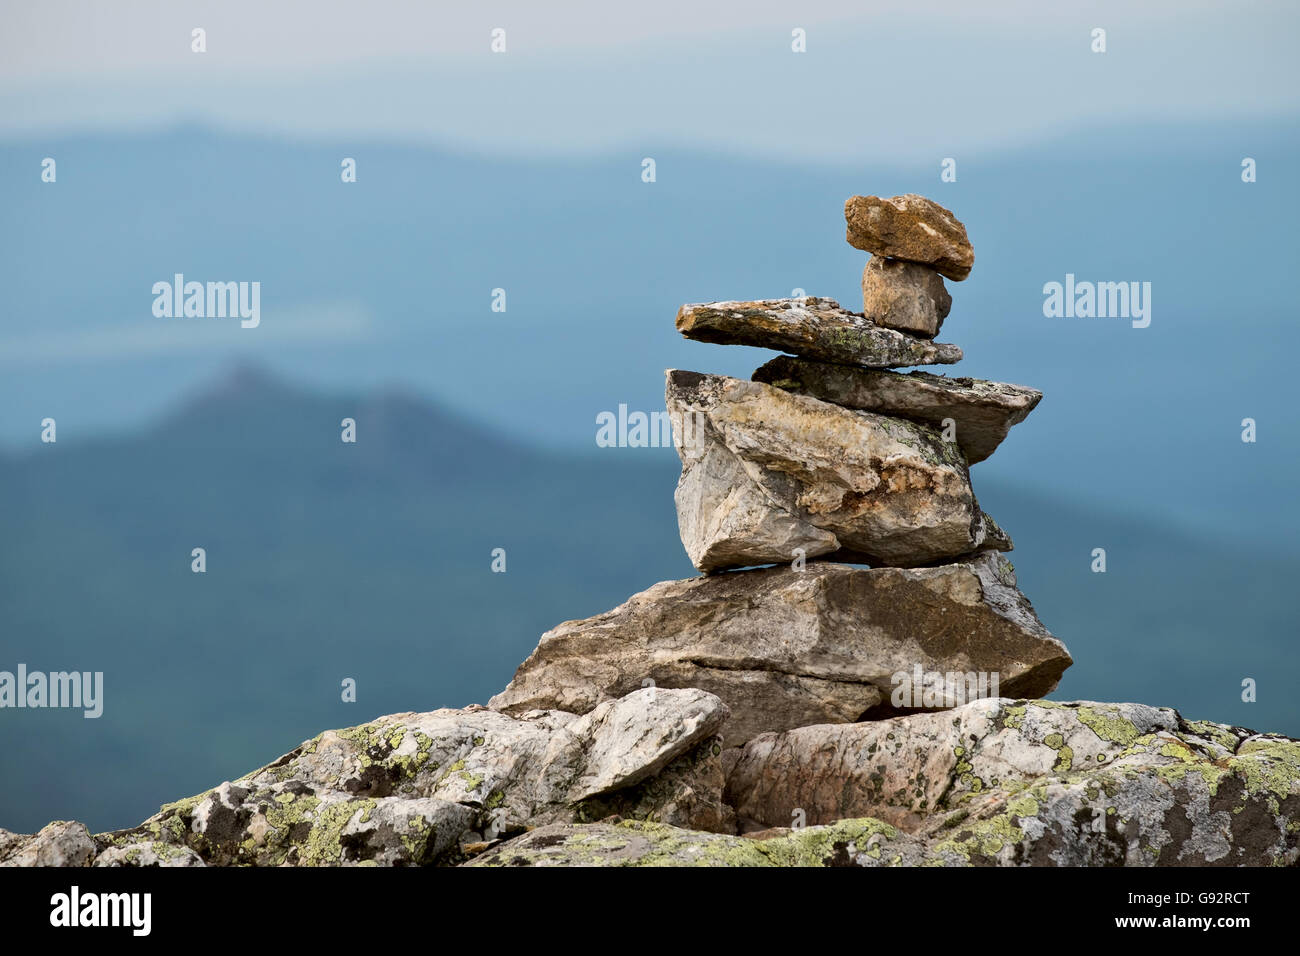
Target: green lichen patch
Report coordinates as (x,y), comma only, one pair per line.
(1108,726)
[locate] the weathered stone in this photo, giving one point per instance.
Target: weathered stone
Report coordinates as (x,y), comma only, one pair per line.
(414,789)
(686,793)
(910,227)
(636,736)
(149,853)
(905,296)
(766,472)
(786,648)
(982,412)
(1040,782)
(813,327)
(636,843)
(61,843)
(997,782)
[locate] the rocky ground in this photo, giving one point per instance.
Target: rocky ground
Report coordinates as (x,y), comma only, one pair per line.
(645,780)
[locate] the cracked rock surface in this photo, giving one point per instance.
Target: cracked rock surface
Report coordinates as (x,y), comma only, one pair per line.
(813,327)
(981,412)
(995,782)
(766,472)
(785,648)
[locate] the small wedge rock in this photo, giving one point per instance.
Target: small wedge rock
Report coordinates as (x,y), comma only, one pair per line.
(813,327)
(904,296)
(910,227)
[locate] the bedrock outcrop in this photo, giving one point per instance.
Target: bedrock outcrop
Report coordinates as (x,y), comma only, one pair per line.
(413,789)
(995,782)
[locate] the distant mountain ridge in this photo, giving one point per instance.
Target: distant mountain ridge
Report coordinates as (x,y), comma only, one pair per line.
(391,279)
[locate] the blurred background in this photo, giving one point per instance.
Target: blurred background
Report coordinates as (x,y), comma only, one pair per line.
(476,429)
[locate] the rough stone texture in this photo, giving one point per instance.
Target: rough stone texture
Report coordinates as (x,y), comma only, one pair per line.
(636,736)
(765,471)
(149,853)
(910,227)
(905,296)
(997,782)
(786,648)
(1005,783)
(61,843)
(418,788)
(983,412)
(1039,782)
(634,843)
(687,793)
(813,327)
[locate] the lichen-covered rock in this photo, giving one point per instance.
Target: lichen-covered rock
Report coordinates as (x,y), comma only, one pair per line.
(1039,782)
(636,843)
(785,648)
(813,327)
(997,782)
(981,412)
(766,472)
(903,295)
(910,227)
(687,794)
(61,843)
(411,789)
(634,737)
(149,853)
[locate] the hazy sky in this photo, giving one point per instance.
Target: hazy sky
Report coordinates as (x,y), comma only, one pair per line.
(915,80)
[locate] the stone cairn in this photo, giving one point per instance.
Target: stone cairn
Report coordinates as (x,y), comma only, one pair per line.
(827,454)
(799,714)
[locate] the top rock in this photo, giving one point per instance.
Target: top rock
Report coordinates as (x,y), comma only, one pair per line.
(910,227)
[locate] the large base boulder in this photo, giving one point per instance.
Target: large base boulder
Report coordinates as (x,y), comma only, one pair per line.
(785,648)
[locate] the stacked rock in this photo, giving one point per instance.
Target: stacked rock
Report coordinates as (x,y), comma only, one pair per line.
(826,454)
(752,718)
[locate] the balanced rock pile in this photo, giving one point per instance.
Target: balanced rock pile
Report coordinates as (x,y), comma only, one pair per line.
(779,710)
(826,454)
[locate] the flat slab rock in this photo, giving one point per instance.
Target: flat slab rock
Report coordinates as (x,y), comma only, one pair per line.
(994,783)
(982,412)
(767,475)
(814,327)
(785,648)
(910,227)
(414,789)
